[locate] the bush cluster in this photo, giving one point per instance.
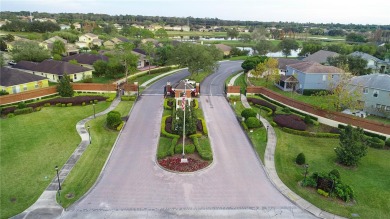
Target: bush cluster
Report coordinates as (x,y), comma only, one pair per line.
(290,121)
(128,98)
(113,119)
(188,149)
(252,122)
(375,142)
(387,143)
(262,103)
(310,134)
(204,150)
(195,103)
(163,129)
(205,131)
(300,160)
(23,111)
(248,112)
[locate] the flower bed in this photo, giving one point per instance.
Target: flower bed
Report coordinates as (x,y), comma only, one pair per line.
(290,121)
(262,103)
(173,163)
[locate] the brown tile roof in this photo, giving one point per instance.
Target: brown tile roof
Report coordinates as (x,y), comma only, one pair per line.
(181,84)
(315,67)
(320,56)
(11,76)
(85,58)
(52,67)
(283,62)
(288,78)
(223,47)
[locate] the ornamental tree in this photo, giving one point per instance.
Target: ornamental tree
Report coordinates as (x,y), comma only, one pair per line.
(64,87)
(352,146)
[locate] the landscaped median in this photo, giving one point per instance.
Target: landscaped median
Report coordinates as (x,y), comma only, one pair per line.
(197,147)
(31,146)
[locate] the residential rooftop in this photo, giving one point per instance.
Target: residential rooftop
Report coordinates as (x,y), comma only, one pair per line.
(11,76)
(315,67)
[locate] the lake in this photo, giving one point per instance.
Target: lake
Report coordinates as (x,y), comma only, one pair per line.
(294,53)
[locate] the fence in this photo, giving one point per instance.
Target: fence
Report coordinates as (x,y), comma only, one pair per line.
(335,116)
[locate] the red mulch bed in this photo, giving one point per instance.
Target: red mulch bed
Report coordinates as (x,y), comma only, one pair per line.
(173,163)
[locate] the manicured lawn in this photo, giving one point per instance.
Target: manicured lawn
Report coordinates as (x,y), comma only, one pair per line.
(88,168)
(31,146)
(199,77)
(370,180)
(378,119)
(259,141)
(240,81)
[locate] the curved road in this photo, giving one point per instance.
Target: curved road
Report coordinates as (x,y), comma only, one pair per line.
(133,186)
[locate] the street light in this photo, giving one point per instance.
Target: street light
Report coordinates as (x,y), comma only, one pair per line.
(89,135)
(58,178)
(306,167)
(94,112)
(266,135)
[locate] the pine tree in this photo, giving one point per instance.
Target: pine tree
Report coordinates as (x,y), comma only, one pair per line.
(64,86)
(352,146)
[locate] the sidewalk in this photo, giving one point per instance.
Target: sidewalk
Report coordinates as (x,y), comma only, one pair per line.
(46,205)
(270,169)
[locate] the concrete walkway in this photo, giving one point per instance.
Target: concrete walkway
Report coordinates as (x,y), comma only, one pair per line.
(46,206)
(269,162)
(233,79)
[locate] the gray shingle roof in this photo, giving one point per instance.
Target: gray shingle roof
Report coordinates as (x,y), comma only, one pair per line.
(320,56)
(365,56)
(52,67)
(10,77)
(375,81)
(283,62)
(85,58)
(315,67)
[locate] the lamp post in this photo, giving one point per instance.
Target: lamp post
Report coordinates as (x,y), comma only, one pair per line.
(266,135)
(306,167)
(94,112)
(89,135)
(58,178)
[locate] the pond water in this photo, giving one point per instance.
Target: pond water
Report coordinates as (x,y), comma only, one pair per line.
(202,38)
(294,53)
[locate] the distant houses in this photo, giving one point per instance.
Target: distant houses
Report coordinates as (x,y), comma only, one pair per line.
(85,59)
(321,56)
(376,65)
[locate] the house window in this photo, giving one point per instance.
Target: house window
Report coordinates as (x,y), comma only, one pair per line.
(376,93)
(25,87)
(53,77)
(36,85)
(383,107)
(75,76)
(387,108)
(323,77)
(332,76)
(378,106)
(365,90)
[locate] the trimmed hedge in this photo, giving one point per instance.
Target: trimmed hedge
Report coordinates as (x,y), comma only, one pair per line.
(261,103)
(290,121)
(370,134)
(375,142)
(204,150)
(310,134)
(387,143)
(168,103)
(244,126)
(309,92)
(128,98)
(188,149)
(120,126)
(252,122)
(23,111)
(195,103)
(205,131)
(248,112)
(164,132)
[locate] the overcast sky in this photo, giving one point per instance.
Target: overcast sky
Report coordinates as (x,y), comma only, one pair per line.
(325,11)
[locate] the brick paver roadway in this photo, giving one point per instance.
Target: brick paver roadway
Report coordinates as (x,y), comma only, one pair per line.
(132,181)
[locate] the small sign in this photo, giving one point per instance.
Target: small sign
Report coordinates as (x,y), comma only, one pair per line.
(184,160)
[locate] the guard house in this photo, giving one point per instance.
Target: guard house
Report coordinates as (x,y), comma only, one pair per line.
(177,90)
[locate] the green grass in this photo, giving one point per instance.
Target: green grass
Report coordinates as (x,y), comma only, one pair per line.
(163,145)
(31,146)
(236,58)
(259,141)
(88,168)
(378,119)
(370,180)
(199,77)
(241,81)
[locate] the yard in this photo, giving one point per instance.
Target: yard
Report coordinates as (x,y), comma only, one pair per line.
(88,168)
(370,180)
(31,146)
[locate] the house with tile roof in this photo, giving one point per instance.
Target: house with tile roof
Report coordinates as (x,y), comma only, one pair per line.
(313,75)
(70,49)
(88,40)
(283,62)
(86,59)
(376,65)
(54,70)
(320,56)
(376,93)
(142,61)
(110,44)
(15,81)
(224,48)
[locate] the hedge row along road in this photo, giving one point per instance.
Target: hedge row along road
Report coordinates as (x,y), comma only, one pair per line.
(133,185)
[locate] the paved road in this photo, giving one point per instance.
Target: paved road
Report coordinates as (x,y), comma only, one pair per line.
(235,185)
(157,88)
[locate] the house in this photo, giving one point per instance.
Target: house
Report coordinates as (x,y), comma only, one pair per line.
(77,26)
(137,26)
(224,48)
(10,45)
(142,61)
(287,83)
(14,81)
(88,39)
(54,70)
(375,64)
(110,44)
(320,56)
(376,93)
(283,62)
(118,26)
(64,27)
(313,75)
(86,59)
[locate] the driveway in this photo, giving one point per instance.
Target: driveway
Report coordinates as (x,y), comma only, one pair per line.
(234,186)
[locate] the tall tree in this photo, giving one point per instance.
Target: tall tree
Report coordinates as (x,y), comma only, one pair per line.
(352,146)
(354,64)
(58,47)
(162,54)
(29,51)
(161,33)
(259,33)
(196,57)
(263,47)
(126,57)
(251,62)
(272,72)
(259,70)
(287,44)
(64,87)
(310,47)
(150,51)
(342,96)
(232,33)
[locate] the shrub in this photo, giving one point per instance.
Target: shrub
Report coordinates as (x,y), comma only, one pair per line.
(290,121)
(273,124)
(334,173)
(375,142)
(10,115)
(46,104)
(286,110)
(322,192)
(58,104)
(22,105)
(95,101)
(204,150)
(188,149)
(3,92)
(120,126)
(235,98)
(308,120)
(195,103)
(69,104)
(387,143)
(300,159)
(309,182)
(345,192)
(166,104)
(262,103)
(110,99)
(83,104)
(252,122)
(63,104)
(246,113)
(164,132)
(205,131)
(23,111)
(310,134)
(244,126)
(113,119)
(128,98)
(37,109)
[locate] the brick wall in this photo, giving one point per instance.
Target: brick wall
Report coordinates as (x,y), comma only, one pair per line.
(339,117)
(93,87)
(27,95)
(233,89)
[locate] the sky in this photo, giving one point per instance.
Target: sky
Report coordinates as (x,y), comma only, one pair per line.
(302,11)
